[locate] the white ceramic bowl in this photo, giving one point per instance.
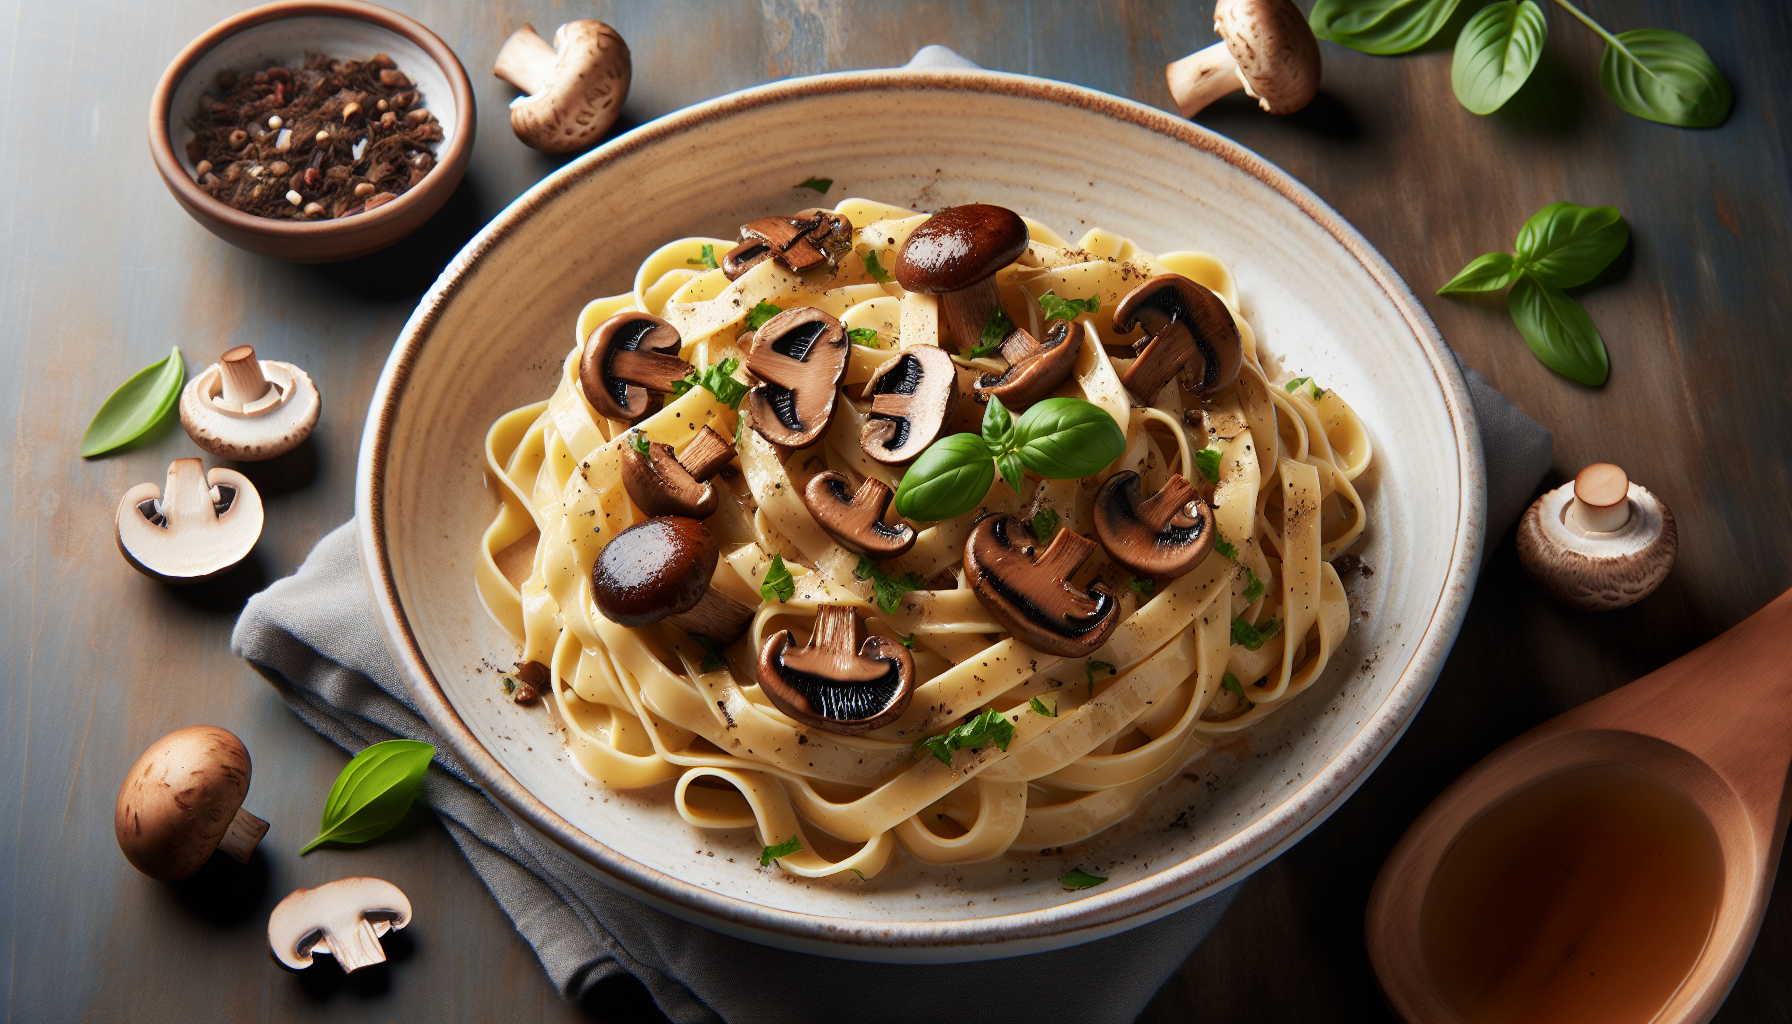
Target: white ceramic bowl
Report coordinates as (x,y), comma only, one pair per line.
(491,334)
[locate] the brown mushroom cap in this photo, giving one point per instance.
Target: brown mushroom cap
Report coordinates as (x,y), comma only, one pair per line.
(1161,537)
(841,681)
(800,241)
(912,396)
(1278,58)
(959,247)
(1187,329)
(626,357)
(1031,595)
(859,521)
(1035,368)
(661,483)
(344,918)
(801,356)
(575,87)
(182,800)
(653,569)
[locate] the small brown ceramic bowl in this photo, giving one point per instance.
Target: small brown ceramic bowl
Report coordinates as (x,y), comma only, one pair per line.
(284,33)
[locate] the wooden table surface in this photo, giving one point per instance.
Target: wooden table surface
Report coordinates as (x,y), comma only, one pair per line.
(102,272)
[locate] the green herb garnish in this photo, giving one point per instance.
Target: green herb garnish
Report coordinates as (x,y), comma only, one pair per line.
(1037,705)
(863,336)
(709,259)
(138,406)
(1045,525)
(997,327)
(778,585)
(758,315)
(718,380)
(1077,878)
(1142,587)
(818,184)
(1254,637)
(1313,389)
(886,591)
(638,441)
(989,727)
(783,849)
(1093,667)
(713,655)
(1230,682)
(372,792)
(1207,460)
(1253,587)
(1495,52)
(875,269)
(1059,439)
(907,641)
(1224,546)
(1055,308)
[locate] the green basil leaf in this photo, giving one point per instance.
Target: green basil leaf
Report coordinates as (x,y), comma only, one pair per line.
(1661,75)
(998,425)
(996,328)
(1567,245)
(865,336)
(1045,525)
(1496,52)
(1484,274)
(137,407)
(784,849)
(778,585)
(638,441)
(1077,878)
(1230,682)
(989,727)
(1559,331)
(1207,460)
(759,314)
(949,479)
(1068,438)
(818,184)
(875,269)
(1010,466)
(888,591)
(1055,308)
(373,791)
(1038,705)
(1251,637)
(1380,26)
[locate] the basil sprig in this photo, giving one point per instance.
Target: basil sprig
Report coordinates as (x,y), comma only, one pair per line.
(1496,52)
(374,790)
(1077,878)
(137,407)
(778,584)
(767,854)
(989,727)
(718,380)
(1059,439)
(1380,26)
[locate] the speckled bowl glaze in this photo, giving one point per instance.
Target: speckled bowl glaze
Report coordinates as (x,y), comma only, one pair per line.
(492,332)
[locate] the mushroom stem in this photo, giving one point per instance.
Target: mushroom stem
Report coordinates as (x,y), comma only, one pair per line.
(240,838)
(1601,498)
(966,311)
(241,371)
(1157,510)
(1203,77)
(1067,552)
(705,456)
(526,61)
(654,371)
(717,616)
(357,949)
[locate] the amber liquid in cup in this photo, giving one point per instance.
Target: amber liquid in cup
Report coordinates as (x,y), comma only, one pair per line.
(1586,898)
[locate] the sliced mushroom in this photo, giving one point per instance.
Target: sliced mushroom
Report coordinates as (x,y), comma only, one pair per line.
(663,484)
(1266,48)
(660,569)
(575,88)
(859,520)
(1035,368)
(955,254)
(625,358)
(1163,536)
(1031,594)
(344,918)
(1599,542)
(192,529)
(801,355)
(249,409)
(799,242)
(1188,330)
(842,680)
(182,800)
(912,396)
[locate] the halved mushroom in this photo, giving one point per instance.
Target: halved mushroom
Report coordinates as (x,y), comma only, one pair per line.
(912,396)
(663,484)
(799,242)
(1031,594)
(660,569)
(574,88)
(955,254)
(1188,330)
(625,358)
(1266,48)
(1163,536)
(1035,368)
(1599,542)
(801,355)
(344,918)
(192,529)
(182,800)
(842,681)
(249,409)
(859,521)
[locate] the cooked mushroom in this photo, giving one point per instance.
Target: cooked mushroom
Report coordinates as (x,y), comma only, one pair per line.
(1266,48)
(574,88)
(249,409)
(800,354)
(192,529)
(1187,329)
(955,254)
(663,484)
(660,569)
(625,358)
(1031,594)
(799,242)
(344,918)
(1035,368)
(859,520)
(1599,542)
(1161,537)
(842,680)
(912,396)
(182,800)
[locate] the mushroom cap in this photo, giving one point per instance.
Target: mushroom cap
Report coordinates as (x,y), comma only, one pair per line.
(178,800)
(653,569)
(273,424)
(1161,537)
(1598,571)
(859,521)
(1278,58)
(344,918)
(800,355)
(660,485)
(912,396)
(841,681)
(960,246)
(583,94)
(629,355)
(1030,593)
(799,241)
(178,535)
(1188,329)
(1035,368)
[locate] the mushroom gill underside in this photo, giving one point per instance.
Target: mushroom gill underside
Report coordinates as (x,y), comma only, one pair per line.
(844,690)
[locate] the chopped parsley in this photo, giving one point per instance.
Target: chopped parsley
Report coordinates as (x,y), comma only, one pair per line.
(638,441)
(997,327)
(758,315)
(989,727)
(874,268)
(1254,637)
(507,681)
(1207,460)
(1142,587)
(783,849)
(718,380)
(778,585)
(863,336)
(708,262)
(1055,308)
(907,641)
(1231,683)
(1045,525)
(1253,587)
(1313,389)
(1224,546)
(713,657)
(1037,705)
(1093,667)
(887,592)
(1077,878)
(818,184)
